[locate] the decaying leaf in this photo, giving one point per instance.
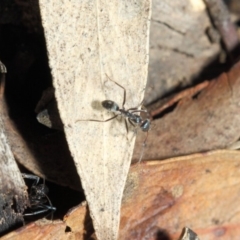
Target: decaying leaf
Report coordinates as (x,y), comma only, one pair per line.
(206,121)
(199,191)
(179,45)
(222,21)
(95,39)
(42,229)
(79,221)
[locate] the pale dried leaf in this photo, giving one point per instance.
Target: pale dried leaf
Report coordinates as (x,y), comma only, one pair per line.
(87,40)
(188,234)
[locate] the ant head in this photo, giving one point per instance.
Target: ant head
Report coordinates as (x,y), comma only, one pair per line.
(110,105)
(39,191)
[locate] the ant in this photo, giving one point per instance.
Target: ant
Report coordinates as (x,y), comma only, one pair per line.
(38,197)
(129,114)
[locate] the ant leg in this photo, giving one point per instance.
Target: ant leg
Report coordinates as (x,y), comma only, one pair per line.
(51,206)
(145,111)
(134,125)
(31,176)
(131,122)
(36,212)
(136,108)
(145,140)
(45,209)
(124,90)
(142,110)
(131,109)
(126,124)
(143,148)
(109,119)
(93,120)
(50,203)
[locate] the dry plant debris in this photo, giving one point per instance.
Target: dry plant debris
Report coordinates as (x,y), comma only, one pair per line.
(205,121)
(161,198)
(96,39)
(200,191)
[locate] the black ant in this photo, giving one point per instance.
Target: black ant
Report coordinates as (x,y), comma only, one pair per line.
(129,114)
(38,197)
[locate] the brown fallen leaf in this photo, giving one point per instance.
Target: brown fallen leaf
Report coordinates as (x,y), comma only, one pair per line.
(179,46)
(77,225)
(206,121)
(160,106)
(79,221)
(199,191)
(41,229)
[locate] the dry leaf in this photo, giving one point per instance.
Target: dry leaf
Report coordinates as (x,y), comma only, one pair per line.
(199,191)
(179,46)
(206,121)
(76,225)
(79,221)
(41,229)
(222,21)
(95,39)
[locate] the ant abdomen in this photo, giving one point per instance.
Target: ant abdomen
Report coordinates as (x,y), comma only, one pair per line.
(145,125)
